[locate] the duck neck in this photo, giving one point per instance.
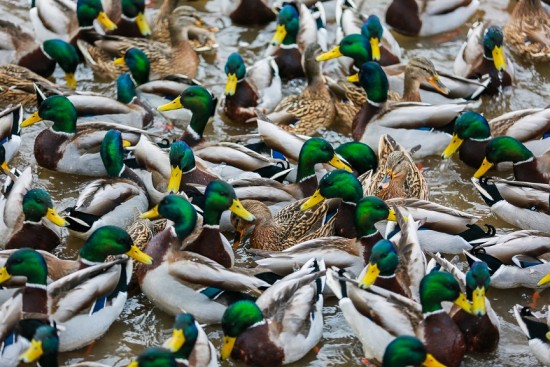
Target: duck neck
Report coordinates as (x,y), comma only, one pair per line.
(344,223)
(411,92)
(48,360)
(35,299)
(368,241)
(363,117)
(528,171)
(193,134)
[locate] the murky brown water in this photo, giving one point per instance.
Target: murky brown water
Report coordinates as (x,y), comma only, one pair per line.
(142,325)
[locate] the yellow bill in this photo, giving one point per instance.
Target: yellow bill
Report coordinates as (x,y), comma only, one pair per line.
(151,214)
(438,85)
(239,210)
(315,199)
(337,162)
(430,361)
(482,170)
(231,84)
(138,255)
(545,280)
(5,167)
(375,48)
(126,143)
(478,301)
(280,35)
(174,105)
(353,78)
(104,20)
(370,277)
(463,303)
(142,24)
(453,146)
(33,119)
(119,61)
(33,352)
(4,275)
(227,347)
(55,218)
(393,217)
(133,364)
(175,180)
(176,341)
(332,54)
(70,80)
(498,58)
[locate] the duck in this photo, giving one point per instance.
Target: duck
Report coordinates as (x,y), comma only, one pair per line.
(155,356)
(239,12)
(427,17)
(108,200)
(245,90)
(187,258)
(66,147)
(526,166)
(527,31)
(10,131)
(522,204)
(129,17)
(377,117)
(472,132)
(372,315)
(404,350)
(483,54)
(190,344)
(537,330)
(264,332)
(44,347)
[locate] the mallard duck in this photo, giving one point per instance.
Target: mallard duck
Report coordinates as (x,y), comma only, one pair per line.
(537,330)
(190,344)
(313,108)
(472,133)
(111,200)
(284,324)
(155,356)
(483,54)
(245,90)
(404,350)
(10,130)
(428,17)
(67,148)
(44,348)
(522,204)
(129,17)
(377,117)
(377,316)
(206,256)
(527,167)
(239,12)
(527,31)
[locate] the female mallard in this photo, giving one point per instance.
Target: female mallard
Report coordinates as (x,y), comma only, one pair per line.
(428,17)
(245,90)
(400,120)
(190,344)
(527,32)
(284,324)
(472,133)
(537,330)
(483,54)
(64,147)
(111,200)
(527,167)
(313,109)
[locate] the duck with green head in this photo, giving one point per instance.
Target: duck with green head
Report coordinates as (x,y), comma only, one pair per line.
(355,46)
(190,344)
(372,30)
(132,22)
(527,167)
(89,10)
(288,55)
(406,351)
(66,148)
(95,206)
(382,264)
(155,357)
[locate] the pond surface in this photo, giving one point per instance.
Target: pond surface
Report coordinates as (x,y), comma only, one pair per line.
(142,325)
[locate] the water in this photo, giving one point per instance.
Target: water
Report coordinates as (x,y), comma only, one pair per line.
(141,325)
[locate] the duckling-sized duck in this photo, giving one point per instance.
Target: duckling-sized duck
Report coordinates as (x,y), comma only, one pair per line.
(483,54)
(64,147)
(112,200)
(190,344)
(526,167)
(527,31)
(537,329)
(240,11)
(245,90)
(400,120)
(284,324)
(428,17)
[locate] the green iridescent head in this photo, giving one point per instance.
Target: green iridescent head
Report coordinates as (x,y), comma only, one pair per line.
(125,88)
(179,211)
(472,125)
(184,336)
(138,64)
(359,155)
(478,279)
(37,204)
(357,47)
(440,286)
(374,81)
(493,47)
(384,255)
(372,28)
(89,10)
(506,149)
(406,351)
(240,316)
(44,346)
(235,69)
(155,357)
(131,8)
(181,156)
(220,196)
(112,153)
(341,184)
(110,240)
(58,109)
(317,150)
(369,211)
(63,53)
(288,25)
(28,263)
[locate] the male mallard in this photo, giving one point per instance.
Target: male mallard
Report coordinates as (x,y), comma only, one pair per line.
(129,16)
(284,324)
(404,350)
(537,329)
(64,147)
(10,130)
(240,11)
(245,90)
(111,200)
(190,344)
(428,17)
(527,167)
(153,357)
(528,30)
(400,120)
(483,54)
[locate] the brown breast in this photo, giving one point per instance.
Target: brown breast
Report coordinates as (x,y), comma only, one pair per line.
(48,148)
(403,16)
(34,235)
(254,347)
(480,333)
(444,339)
(289,61)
